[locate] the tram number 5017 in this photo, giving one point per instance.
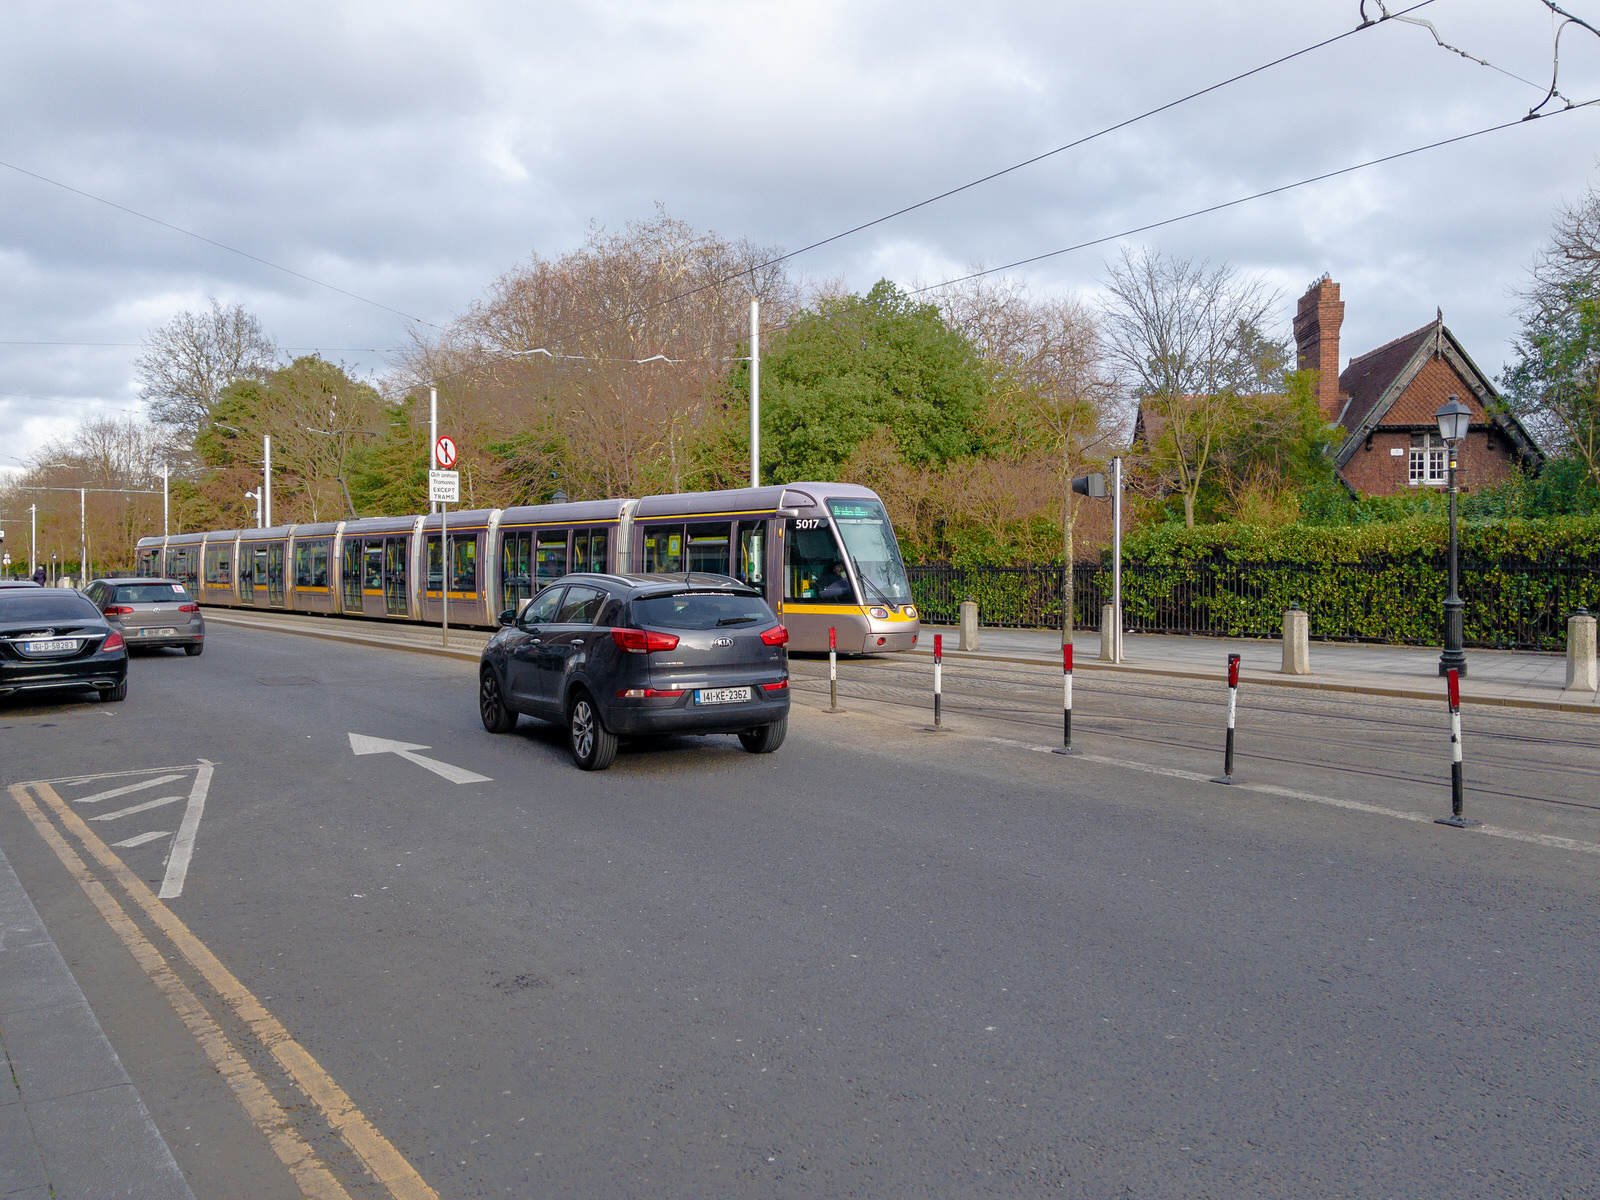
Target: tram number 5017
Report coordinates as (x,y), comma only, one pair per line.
(808,523)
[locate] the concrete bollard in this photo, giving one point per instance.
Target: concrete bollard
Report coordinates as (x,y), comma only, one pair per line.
(1581,673)
(1296,641)
(1108,634)
(969,625)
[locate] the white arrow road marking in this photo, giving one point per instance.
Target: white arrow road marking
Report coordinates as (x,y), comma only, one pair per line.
(183,844)
(141,838)
(123,791)
(361,744)
(137,808)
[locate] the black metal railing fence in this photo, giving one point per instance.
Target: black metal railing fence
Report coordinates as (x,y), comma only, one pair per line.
(1518,604)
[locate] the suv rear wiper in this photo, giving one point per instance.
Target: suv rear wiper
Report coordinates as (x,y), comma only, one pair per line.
(736,620)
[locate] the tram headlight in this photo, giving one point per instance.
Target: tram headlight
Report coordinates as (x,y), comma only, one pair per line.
(877,613)
(911,612)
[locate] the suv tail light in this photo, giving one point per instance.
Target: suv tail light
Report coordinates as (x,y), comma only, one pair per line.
(118,610)
(648,693)
(114,642)
(185,608)
(776,636)
(643,641)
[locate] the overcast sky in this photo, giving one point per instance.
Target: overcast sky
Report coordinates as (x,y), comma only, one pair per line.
(409,153)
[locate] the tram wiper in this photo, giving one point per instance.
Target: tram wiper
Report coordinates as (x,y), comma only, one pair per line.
(867,581)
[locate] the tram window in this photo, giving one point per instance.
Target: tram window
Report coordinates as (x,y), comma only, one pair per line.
(864,527)
(814,565)
(311,564)
(516,568)
(751,566)
(580,606)
(261,565)
(372,577)
(708,547)
(551,556)
(464,564)
(218,567)
(663,549)
(435,564)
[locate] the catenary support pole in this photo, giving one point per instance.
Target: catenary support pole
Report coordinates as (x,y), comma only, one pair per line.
(433,435)
(938,680)
(1066,702)
(164,505)
(1116,557)
(1233,704)
(833,669)
(1457,782)
(755,393)
(266,482)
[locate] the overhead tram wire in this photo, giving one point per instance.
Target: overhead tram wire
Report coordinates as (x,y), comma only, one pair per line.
(1211,208)
(200,237)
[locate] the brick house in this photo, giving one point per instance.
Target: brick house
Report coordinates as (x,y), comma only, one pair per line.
(1386,400)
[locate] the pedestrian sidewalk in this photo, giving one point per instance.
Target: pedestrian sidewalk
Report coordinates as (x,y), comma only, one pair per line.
(1513,677)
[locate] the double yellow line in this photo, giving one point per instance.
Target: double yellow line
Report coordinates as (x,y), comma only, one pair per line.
(314,1179)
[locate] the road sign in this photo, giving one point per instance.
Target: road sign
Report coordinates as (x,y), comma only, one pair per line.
(444,487)
(444,453)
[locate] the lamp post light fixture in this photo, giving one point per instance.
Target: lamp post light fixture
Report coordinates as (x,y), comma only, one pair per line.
(1453,417)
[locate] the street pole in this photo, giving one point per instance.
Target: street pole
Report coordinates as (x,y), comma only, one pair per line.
(1454,424)
(266,481)
(83,538)
(33,539)
(755,393)
(1116,558)
(444,573)
(433,434)
(164,506)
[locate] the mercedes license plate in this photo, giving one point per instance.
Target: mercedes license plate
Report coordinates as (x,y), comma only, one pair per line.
(733,695)
(52,646)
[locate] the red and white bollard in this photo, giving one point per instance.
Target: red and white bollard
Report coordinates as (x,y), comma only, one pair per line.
(1233,704)
(1066,702)
(1457,782)
(938,680)
(833,669)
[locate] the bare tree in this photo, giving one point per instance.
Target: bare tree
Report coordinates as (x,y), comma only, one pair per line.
(615,355)
(1054,398)
(1186,339)
(187,362)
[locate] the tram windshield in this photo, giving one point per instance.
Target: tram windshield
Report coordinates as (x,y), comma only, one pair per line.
(864,528)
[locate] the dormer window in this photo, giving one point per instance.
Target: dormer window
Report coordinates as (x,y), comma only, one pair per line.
(1427,464)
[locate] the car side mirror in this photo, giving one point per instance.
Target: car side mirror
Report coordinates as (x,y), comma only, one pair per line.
(507,618)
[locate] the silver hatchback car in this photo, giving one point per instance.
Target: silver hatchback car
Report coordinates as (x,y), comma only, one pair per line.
(150,612)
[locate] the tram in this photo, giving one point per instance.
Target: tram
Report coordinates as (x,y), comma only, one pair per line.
(823,554)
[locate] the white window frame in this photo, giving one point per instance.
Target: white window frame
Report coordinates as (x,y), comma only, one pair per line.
(1426,465)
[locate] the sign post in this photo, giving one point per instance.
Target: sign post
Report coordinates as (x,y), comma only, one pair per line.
(444,489)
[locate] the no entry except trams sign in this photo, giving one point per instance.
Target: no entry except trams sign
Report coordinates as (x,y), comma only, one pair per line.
(444,453)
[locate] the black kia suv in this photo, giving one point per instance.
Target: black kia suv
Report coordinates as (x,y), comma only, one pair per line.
(614,656)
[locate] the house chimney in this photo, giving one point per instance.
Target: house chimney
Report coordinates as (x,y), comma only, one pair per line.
(1316,336)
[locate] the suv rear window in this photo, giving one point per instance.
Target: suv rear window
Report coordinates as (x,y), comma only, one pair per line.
(701,610)
(152,593)
(45,604)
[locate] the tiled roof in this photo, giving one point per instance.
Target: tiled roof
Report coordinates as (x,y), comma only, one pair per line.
(1368,377)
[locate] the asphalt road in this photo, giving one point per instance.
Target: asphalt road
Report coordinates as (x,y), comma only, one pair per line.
(881,962)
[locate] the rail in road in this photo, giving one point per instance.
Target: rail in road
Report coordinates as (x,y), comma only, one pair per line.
(1537,765)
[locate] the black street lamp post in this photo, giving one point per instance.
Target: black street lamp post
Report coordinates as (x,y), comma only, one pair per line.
(1453,417)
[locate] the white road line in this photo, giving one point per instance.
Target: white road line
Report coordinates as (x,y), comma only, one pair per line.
(183,844)
(1267,789)
(137,808)
(75,780)
(123,791)
(142,838)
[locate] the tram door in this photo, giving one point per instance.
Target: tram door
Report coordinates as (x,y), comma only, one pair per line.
(275,575)
(247,576)
(350,576)
(516,569)
(370,570)
(394,576)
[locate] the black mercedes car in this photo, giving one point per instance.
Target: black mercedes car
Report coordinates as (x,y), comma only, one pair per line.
(613,656)
(57,638)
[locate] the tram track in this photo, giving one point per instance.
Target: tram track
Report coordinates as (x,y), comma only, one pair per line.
(1031,698)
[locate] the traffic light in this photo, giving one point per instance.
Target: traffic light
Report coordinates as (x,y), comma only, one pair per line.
(1093,486)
